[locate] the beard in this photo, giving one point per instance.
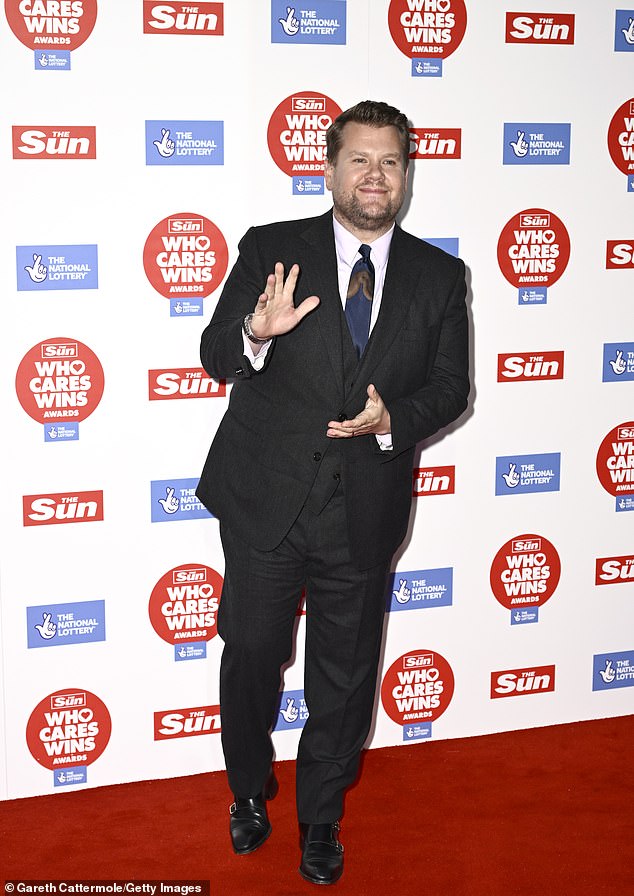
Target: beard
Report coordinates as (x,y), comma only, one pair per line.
(371,217)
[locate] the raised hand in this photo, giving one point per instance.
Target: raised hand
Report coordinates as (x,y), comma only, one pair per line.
(275,314)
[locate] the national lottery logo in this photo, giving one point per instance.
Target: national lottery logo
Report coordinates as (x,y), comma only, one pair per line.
(536,144)
(296,133)
(540,28)
(533,250)
(173,500)
(614,570)
(185,255)
(624,31)
(521,474)
(59,379)
(525,572)
(41,268)
(417,687)
(183,18)
(621,137)
(618,362)
(292,711)
(171,724)
(435,143)
(52,625)
(69,727)
(420,588)
(184,143)
(320,22)
(44,142)
(613,670)
(615,461)
(51,24)
(424,29)
(183,605)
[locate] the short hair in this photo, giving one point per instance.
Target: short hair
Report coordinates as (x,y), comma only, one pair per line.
(375,114)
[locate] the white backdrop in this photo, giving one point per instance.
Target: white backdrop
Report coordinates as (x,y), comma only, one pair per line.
(98,530)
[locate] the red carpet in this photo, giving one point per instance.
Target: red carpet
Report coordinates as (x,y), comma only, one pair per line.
(545,810)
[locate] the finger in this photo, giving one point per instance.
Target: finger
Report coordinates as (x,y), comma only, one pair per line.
(307,306)
(291,280)
(279,277)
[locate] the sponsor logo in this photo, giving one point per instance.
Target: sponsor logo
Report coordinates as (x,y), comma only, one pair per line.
(619,254)
(175,499)
(62,507)
(434,481)
(50,23)
(614,570)
(521,367)
(515,682)
(59,379)
(292,711)
(449,244)
(536,144)
(618,361)
(56,267)
(533,249)
(183,382)
(615,460)
(185,255)
(184,603)
(40,142)
(613,670)
(170,724)
(69,727)
(525,571)
(184,143)
(58,60)
(53,624)
(77,775)
(527,473)
(621,137)
(61,432)
(320,22)
(421,588)
(417,688)
(296,133)
(440,143)
(624,31)
(537,28)
(183,18)
(427,28)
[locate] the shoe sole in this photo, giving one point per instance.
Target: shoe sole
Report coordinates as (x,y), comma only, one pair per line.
(245,852)
(314,880)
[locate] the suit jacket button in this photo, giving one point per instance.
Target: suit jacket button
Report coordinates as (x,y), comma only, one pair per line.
(336,476)
(317,455)
(342,417)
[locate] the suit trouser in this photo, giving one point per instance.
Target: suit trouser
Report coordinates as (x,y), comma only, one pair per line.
(345,610)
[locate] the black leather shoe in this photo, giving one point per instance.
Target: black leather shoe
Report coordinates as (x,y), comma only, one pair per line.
(322,854)
(249,824)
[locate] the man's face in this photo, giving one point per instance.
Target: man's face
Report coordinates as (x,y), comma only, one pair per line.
(367,180)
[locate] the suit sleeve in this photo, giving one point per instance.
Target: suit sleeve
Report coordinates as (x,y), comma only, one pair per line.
(221,345)
(443,397)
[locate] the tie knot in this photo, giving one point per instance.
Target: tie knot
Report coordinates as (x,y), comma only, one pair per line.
(364,251)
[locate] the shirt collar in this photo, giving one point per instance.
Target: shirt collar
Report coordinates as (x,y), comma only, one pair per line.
(347,245)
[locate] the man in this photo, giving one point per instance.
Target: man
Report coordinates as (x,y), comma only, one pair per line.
(310,472)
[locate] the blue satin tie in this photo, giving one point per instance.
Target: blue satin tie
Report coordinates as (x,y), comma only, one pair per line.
(359,299)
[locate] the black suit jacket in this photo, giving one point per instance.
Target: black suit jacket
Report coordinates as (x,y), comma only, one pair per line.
(271,443)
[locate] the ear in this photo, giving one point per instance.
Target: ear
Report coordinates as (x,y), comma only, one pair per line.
(328,174)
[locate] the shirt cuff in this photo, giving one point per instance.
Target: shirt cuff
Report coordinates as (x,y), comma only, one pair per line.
(256,361)
(385,441)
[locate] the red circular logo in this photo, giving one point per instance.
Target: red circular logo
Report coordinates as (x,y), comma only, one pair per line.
(184,604)
(433,32)
(59,379)
(615,460)
(418,687)
(185,256)
(296,133)
(69,727)
(525,572)
(621,137)
(533,248)
(50,24)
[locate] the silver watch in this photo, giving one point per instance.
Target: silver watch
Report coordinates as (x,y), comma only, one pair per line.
(248,332)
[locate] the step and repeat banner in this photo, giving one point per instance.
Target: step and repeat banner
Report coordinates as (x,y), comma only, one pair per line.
(139,142)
